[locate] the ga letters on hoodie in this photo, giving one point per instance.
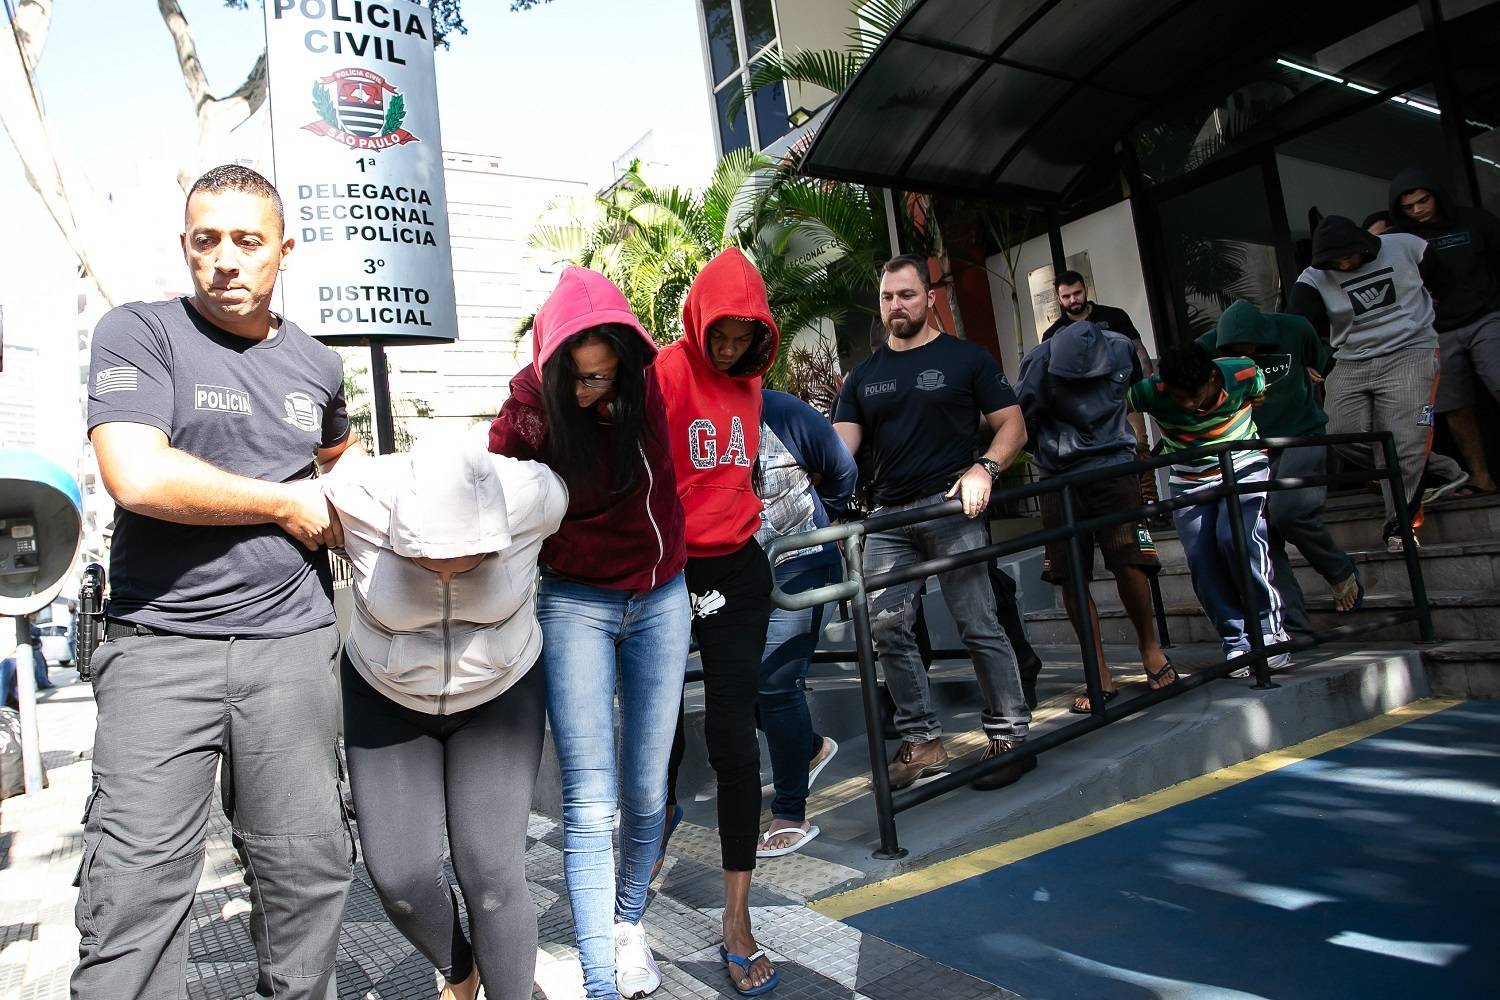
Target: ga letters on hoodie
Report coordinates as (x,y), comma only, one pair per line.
(713,417)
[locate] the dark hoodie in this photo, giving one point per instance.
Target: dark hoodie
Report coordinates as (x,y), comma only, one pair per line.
(1284,347)
(1072,391)
(1463,250)
(1336,237)
(713,417)
(632,542)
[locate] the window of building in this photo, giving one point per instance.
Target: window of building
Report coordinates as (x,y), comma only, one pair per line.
(734,130)
(740,33)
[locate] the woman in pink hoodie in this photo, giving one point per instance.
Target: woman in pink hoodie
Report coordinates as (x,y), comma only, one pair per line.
(612,604)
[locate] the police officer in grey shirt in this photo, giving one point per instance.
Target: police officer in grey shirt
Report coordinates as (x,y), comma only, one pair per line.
(209,415)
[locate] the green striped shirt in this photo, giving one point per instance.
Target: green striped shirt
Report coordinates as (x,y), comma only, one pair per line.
(1230,420)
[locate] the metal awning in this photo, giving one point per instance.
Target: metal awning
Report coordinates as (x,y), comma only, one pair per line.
(1022,99)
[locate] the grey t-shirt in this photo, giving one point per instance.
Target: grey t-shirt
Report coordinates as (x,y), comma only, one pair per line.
(259,409)
(1381,306)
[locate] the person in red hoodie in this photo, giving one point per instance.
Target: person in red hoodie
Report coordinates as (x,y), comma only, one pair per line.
(711,379)
(613,605)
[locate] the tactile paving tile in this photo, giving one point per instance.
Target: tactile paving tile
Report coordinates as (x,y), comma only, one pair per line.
(702,886)
(69,848)
(219,980)
(819,958)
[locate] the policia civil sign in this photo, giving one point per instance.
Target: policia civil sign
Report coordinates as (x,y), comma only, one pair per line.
(359,164)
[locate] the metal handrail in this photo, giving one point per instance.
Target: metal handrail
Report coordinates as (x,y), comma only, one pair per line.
(856,586)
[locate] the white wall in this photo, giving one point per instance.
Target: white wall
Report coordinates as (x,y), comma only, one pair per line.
(1332,190)
(1108,237)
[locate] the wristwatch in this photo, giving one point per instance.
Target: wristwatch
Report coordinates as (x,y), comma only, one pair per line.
(991,466)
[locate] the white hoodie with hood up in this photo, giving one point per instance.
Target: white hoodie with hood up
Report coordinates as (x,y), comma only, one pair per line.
(434,647)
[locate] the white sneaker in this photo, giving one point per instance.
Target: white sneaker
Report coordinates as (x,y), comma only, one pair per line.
(558,977)
(1436,493)
(1279,661)
(636,972)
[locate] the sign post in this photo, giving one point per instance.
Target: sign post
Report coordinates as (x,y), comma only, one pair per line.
(359,164)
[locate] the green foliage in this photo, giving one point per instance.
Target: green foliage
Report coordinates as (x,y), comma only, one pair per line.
(324,105)
(874,21)
(395,114)
(815,243)
(361,413)
(831,69)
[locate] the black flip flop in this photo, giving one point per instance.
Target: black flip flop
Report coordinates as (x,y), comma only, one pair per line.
(1155,676)
(1108,697)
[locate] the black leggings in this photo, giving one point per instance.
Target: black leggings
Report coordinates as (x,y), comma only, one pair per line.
(731,610)
(470,774)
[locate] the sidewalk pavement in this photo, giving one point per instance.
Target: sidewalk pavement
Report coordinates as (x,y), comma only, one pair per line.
(819,958)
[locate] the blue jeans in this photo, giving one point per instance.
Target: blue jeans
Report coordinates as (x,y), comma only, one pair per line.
(597,642)
(782,700)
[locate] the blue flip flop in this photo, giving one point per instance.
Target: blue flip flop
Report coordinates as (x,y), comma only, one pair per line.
(673,819)
(726,956)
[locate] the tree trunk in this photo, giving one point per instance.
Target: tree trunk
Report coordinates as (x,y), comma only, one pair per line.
(217,116)
(41,157)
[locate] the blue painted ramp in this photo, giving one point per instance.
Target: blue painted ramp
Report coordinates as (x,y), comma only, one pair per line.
(1369,871)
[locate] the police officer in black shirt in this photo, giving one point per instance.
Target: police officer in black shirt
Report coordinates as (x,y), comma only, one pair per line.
(915,405)
(208,414)
(1073,297)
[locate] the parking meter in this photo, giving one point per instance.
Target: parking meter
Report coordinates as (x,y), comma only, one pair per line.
(41,531)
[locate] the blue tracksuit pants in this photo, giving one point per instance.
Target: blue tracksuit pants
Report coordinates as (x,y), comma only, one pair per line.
(1206,541)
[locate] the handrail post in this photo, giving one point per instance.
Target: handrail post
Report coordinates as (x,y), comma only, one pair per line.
(1250,607)
(1084,625)
(1158,607)
(1408,537)
(864,644)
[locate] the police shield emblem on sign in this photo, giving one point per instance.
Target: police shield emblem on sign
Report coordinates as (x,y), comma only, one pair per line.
(361,108)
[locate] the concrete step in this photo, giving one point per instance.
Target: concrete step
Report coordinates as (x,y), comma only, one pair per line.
(1219,724)
(1356,522)
(1452,566)
(1464,669)
(1456,615)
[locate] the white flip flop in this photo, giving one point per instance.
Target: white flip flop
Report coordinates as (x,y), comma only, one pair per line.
(812,774)
(796,845)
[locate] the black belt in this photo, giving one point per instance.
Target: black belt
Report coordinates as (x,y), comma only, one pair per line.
(114,628)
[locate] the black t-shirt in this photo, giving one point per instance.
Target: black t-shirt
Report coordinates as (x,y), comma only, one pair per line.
(1107,317)
(259,409)
(919,412)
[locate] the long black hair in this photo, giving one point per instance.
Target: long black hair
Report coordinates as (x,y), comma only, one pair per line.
(575,444)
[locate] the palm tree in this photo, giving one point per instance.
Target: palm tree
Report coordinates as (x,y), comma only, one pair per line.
(831,69)
(814,242)
(917,218)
